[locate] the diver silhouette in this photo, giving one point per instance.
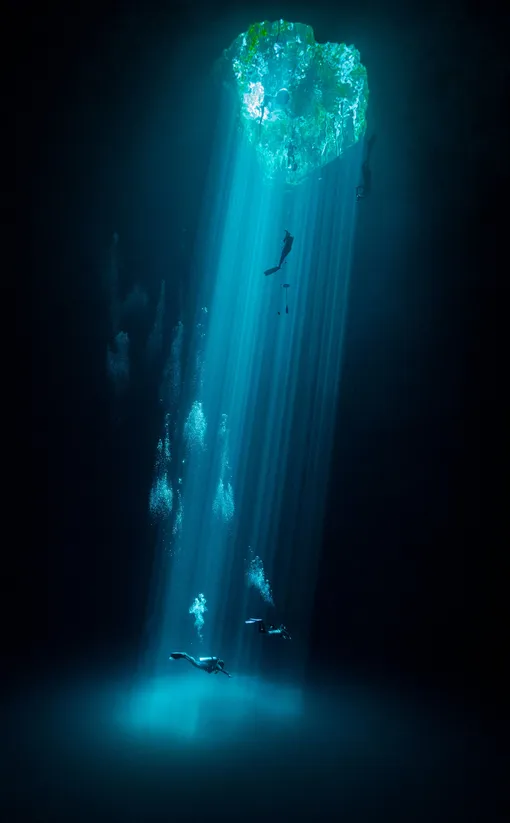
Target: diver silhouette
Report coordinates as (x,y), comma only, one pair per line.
(211,665)
(287,248)
(275,631)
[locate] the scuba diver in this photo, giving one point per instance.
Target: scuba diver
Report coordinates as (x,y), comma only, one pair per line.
(366,186)
(279,631)
(287,248)
(211,665)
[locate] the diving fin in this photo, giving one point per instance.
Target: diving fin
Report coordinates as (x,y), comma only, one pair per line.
(272,271)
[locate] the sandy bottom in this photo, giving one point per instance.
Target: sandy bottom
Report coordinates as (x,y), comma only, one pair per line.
(188,746)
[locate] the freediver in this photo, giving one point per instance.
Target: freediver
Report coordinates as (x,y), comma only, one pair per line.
(287,248)
(276,631)
(211,665)
(365,188)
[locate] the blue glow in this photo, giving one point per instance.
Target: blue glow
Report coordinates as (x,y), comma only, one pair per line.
(146,746)
(253,406)
(190,705)
(161,498)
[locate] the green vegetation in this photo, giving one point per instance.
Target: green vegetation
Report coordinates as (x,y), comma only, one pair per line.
(322,111)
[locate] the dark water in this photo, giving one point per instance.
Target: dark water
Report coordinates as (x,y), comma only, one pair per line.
(418,459)
(188,746)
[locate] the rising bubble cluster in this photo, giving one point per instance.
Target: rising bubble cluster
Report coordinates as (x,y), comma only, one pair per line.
(197,608)
(161,498)
(177,526)
(198,379)
(195,427)
(161,493)
(257,579)
(223,506)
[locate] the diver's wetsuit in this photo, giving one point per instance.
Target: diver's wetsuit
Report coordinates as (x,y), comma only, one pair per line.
(211,665)
(287,247)
(281,631)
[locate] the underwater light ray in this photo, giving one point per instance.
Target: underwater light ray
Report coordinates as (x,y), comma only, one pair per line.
(339,295)
(206,250)
(276,383)
(322,408)
(212,358)
(236,363)
(271,483)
